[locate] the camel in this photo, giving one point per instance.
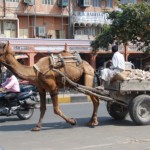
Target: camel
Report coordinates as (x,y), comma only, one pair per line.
(46,79)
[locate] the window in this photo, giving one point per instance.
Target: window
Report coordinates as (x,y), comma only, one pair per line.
(109,3)
(12,0)
(60,34)
(49,2)
(1,27)
(96,3)
(87,2)
(23,33)
(62,3)
(10,25)
(93,31)
(10,29)
(84,3)
(128,1)
(148,1)
(79,32)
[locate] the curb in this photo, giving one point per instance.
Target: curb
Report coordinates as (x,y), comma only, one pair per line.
(70,98)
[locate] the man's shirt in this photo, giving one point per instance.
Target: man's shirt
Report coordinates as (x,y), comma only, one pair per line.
(11,84)
(118,61)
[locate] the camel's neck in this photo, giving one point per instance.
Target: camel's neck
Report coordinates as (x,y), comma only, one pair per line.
(21,71)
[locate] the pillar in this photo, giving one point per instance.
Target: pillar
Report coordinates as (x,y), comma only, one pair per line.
(126,52)
(93,60)
(31,54)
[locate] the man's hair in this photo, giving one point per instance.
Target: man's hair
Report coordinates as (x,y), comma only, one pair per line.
(115,48)
(9,73)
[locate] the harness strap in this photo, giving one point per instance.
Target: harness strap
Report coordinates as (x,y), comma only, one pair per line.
(36,67)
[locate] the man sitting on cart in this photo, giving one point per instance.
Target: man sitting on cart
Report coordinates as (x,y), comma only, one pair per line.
(118,66)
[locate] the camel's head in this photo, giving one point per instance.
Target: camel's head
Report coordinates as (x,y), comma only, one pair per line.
(2,52)
(2,48)
(5,48)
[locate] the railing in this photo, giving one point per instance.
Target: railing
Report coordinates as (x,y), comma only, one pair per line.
(47,45)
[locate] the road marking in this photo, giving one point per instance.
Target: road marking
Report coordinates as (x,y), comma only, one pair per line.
(128,141)
(96,146)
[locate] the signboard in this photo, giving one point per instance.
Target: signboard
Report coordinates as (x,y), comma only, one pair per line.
(91,17)
(20,48)
(61,48)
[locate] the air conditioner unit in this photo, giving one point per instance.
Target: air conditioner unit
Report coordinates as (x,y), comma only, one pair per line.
(29,2)
(41,31)
(62,3)
(84,3)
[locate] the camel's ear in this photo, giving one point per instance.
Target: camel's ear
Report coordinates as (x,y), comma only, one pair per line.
(8,49)
(8,44)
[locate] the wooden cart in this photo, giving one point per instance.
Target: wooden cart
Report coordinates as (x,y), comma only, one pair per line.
(131,97)
(123,97)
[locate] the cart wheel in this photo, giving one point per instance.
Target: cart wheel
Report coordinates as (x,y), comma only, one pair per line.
(117,111)
(139,110)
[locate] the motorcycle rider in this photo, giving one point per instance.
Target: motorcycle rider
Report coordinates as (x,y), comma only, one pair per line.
(12,88)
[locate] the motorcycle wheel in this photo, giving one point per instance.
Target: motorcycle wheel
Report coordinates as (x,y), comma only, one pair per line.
(25,114)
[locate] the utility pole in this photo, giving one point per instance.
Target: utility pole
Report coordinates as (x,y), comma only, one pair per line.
(4,7)
(69,20)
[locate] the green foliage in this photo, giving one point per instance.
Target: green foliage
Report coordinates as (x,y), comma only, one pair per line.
(131,24)
(103,39)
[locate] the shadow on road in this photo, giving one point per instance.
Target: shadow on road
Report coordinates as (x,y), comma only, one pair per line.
(81,122)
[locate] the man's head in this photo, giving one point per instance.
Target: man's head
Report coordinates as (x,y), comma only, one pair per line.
(114,48)
(9,74)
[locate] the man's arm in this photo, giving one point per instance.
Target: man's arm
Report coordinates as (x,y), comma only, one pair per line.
(114,61)
(9,84)
(2,89)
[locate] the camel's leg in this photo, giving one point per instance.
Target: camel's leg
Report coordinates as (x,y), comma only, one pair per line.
(94,119)
(58,111)
(42,94)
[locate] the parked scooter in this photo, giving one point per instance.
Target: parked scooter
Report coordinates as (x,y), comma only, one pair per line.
(23,105)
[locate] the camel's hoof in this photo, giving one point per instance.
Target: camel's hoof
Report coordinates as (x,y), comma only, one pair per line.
(92,124)
(73,121)
(36,129)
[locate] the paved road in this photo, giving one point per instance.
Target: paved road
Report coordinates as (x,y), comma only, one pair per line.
(58,135)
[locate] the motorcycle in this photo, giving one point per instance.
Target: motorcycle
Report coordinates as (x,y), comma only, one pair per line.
(23,105)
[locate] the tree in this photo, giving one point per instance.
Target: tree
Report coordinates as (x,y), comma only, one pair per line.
(131,24)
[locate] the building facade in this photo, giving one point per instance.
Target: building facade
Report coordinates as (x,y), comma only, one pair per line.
(56,19)
(60,19)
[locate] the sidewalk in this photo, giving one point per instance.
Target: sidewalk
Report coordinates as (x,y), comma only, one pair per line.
(70,98)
